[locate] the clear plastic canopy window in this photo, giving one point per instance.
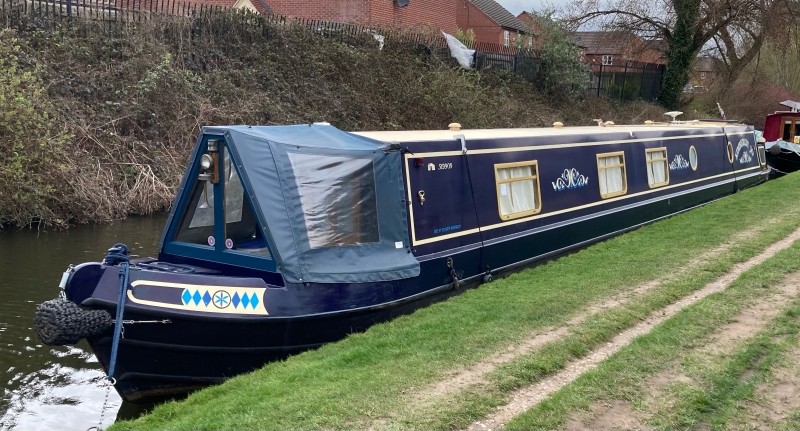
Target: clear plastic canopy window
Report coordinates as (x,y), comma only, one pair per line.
(337,195)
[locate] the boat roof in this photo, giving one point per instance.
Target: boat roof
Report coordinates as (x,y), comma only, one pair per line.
(441,135)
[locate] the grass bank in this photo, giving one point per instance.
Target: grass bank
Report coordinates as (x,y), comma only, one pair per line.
(97,125)
(369,379)
(717,389)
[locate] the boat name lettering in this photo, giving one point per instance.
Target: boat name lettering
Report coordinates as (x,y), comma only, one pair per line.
(570,179)
(747,154)
(678,163)
(447,229)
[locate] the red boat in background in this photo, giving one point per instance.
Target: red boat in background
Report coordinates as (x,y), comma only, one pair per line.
(782,136)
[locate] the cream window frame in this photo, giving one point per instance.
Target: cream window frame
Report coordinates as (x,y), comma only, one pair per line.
(692,149)
(506,38)
(729,149)
(666,165)
(624,173)
(534,177)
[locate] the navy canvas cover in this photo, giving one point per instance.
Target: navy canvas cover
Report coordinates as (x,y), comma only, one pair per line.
(332,202)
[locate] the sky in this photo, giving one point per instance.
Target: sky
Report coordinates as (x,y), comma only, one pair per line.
(517,6)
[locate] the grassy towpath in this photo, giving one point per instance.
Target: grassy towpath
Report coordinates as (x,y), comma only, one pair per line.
(371,379)
(697,369)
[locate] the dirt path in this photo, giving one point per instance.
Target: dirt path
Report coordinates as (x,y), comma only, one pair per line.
(778,400)
(527,397)
(477,373)
(744,325)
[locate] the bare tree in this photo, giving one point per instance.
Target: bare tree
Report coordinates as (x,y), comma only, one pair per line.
(734,30)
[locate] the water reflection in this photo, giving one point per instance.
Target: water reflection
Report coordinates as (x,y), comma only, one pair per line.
(45,387)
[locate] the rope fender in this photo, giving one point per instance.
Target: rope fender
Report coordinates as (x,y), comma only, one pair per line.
(59,322)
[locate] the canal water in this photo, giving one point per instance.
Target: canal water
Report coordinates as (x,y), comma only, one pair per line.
(44,387)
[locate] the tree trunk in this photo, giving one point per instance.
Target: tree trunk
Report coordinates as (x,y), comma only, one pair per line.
(680,54)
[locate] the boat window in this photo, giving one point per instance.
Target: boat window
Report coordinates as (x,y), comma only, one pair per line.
(657,168)
(611,174)
(693,157)
(242,232)
(517,189)
(337,196)
(730,152)
(197,224)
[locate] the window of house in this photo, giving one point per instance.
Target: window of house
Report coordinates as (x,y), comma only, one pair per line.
(506,37)
(611,174)
(338,199)
(518,192)
(657,167)
(608,60)
(702,75)
(530,41)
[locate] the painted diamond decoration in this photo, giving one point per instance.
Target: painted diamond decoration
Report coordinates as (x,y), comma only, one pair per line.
(254,300)
(245,300)
(206,298)
(235,300)
(186,297)
(196,297)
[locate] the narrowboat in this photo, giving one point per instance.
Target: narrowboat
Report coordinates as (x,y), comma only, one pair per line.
(282,238)
(782,139)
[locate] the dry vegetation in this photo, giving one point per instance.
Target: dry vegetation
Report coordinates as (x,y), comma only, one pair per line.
(97,125)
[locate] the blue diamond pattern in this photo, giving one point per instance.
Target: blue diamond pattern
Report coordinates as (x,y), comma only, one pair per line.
(254,301)
(235,300)
(196,298)
(245,300)
(206,298)
(186,297)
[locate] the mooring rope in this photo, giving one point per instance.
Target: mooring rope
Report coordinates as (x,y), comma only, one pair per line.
(118,255)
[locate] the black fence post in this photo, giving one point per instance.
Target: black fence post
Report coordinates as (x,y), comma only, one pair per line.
(624,78)
(641,84)
(599,79)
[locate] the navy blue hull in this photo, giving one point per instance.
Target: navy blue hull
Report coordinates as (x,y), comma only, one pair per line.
(196,350)
(239,310)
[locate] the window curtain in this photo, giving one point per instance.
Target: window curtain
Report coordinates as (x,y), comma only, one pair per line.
(517,196)
(611,179)
(656,171)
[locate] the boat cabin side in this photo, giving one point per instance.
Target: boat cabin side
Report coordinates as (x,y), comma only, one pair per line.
(784,126)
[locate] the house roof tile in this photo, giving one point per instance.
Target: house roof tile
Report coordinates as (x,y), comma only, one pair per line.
(604,42)
(500,15)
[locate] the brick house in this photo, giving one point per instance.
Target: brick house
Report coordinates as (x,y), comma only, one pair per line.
(492,23)
(615,48)
(534,40)
(704,72)
(439,14)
